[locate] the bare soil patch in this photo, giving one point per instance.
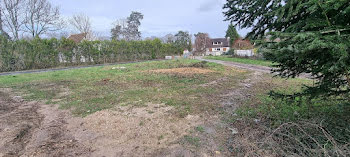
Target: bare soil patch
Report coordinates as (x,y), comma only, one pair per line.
(148,130)
(137,131)
(183,71)
(35,129)
(18,120)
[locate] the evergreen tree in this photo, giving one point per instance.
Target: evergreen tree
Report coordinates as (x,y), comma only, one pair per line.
(232,33)
(133,24)
(314,38)
(128,29)
(183,40)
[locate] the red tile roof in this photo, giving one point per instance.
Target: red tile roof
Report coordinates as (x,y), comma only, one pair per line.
(77,38)
(241,44)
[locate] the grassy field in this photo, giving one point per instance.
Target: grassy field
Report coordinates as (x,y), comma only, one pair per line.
(241,60)
(89,90)
(191,87)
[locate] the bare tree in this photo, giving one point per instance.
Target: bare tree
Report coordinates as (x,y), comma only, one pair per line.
(12,11)
(118,30)
(151,38)
(169,38)
(2,32)
(201,42)
(81,23)
(42,17)
(58,35)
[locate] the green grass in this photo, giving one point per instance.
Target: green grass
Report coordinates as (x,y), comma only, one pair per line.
(195,141)
(200,129)
(85,91)
(241,60)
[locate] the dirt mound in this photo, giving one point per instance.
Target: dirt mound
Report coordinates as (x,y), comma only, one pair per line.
(202,64)
(183,71)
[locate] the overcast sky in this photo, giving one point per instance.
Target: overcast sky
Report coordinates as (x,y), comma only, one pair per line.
(160,16)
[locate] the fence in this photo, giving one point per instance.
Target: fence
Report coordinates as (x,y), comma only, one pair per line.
(244,53)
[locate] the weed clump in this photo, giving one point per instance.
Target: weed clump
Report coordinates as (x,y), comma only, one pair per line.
(202,64)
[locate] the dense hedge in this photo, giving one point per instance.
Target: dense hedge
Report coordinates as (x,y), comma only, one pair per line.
(49,53)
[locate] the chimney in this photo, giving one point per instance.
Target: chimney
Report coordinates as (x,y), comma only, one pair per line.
(229,41)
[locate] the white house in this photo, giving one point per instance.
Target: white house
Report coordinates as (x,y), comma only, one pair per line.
(217,46)
(186,52)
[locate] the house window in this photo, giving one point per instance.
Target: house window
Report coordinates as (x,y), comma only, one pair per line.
(217,43)
(218,49)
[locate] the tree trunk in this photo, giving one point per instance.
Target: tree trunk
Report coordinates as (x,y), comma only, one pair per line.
(348,79)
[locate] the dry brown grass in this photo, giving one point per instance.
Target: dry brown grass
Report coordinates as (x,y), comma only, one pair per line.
(304,137)
(289,139)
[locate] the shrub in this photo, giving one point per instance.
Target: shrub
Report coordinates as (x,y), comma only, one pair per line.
(231,52)
(49,53)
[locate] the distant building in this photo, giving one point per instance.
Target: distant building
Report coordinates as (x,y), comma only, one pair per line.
(77,38)
(242,44)
(243,47)
(217,47)
(186,51)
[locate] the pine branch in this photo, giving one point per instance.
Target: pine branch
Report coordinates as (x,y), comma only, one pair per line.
(335,31)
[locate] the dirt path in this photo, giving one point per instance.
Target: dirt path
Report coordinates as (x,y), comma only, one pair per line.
(256,68)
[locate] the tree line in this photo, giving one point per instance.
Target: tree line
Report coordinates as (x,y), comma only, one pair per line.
(36,18)
(39,20)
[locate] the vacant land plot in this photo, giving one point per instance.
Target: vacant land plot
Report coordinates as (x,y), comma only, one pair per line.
(161,108)
(145,108)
